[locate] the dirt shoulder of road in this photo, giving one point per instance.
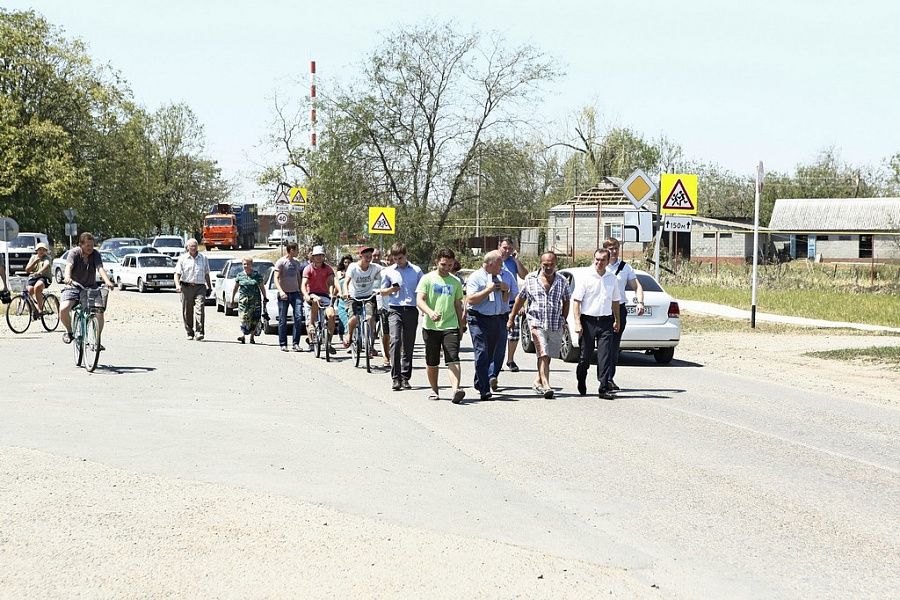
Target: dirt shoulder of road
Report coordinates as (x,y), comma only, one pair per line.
(70,527)
(779,358)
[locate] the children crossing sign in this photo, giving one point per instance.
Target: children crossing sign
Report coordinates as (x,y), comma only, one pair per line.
(382,219)
(678,194)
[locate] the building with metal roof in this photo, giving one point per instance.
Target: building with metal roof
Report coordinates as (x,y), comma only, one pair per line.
(839,229)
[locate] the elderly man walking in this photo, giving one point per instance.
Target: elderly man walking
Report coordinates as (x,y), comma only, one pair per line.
(488,298)
(596,307)
(193,283)
(547,294)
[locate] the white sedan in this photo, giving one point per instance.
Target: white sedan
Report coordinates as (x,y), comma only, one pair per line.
(217,262)
(656,332)
(224,283)
(146,272)
(110,263)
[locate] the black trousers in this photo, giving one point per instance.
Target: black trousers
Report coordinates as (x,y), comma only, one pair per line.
(402,322)
(617,341)
(597,339)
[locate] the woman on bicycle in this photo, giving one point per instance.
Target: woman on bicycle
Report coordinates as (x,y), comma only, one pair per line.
(343,309)
(38,268)
(253,294)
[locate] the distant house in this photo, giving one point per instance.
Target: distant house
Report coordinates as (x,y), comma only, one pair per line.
(838,229)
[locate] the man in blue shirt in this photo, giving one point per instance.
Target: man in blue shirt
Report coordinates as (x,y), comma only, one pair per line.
(488,299)
(513,270)
(403,317)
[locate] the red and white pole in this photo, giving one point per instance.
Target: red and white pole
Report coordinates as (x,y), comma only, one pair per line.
(312,112)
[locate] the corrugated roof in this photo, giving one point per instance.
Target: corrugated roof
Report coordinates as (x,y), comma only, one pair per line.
(836,214)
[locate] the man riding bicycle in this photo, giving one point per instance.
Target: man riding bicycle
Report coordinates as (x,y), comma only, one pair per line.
(363,277)
(318,288)
(82,267)
(38,269)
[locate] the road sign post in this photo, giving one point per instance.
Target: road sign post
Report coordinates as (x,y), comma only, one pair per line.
(759,182)
(9,230)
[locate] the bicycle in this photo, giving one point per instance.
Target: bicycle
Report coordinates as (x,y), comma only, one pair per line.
(22,309)
(320,332)
(363,334)
(86,327)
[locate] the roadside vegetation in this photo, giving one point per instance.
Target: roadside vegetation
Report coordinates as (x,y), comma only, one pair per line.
(835,292)
(694,324)
(888,356)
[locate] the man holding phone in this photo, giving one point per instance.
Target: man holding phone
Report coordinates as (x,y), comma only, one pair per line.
(488,298)
(399,282)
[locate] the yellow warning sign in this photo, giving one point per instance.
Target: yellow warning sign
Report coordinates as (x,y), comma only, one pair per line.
(678,194)
(298,195)
(382,219)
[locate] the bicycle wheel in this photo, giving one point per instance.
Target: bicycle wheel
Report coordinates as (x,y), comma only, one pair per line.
(18,314)
(357,346)
(318,333)
(78,338)
(327,342)
(368,349)
(50,316)
(92,344)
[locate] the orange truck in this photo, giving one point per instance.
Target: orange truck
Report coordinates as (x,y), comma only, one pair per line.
(231,226)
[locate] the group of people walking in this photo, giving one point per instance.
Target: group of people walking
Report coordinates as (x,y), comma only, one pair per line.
(396,292)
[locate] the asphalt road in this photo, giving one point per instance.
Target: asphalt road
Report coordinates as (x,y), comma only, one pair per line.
(695,480)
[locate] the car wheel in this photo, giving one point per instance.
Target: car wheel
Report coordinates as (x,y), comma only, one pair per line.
(59,275)
(664,355)
(567,351)
(525,335)
(230,311)
(140,286)
(219,307)
(120,284)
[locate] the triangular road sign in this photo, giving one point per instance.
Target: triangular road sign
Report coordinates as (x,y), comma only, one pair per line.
(382,224)
(679,199)
(282,198)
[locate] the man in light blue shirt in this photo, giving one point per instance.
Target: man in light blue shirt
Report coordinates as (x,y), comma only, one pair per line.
(513,269)
(403,317)
(488,299)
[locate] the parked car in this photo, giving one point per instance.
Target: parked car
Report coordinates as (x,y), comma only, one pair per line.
(110,263)
(281,236)
(146,272)
(122,251)
(225,282)
(270,312)
(656,332)
(170,245)
(113,243)
(216,263)
(22,249)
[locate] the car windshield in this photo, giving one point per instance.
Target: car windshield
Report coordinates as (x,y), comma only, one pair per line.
(218,221)
(123,250)
(108,257)
(150,260)
(118,243)
(167,242)
(216,264)
(262,268)
(24,241)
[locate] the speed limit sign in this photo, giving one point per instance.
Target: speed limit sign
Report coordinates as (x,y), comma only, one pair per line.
(282,218)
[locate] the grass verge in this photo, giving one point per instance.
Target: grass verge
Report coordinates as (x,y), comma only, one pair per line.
(693,324)
(872,308)
(888,356)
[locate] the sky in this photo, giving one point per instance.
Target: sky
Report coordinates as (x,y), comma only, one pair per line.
(732,82)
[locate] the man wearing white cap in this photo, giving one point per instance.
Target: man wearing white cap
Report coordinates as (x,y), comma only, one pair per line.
(318,288)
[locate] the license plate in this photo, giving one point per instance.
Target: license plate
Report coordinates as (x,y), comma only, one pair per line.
(632,311)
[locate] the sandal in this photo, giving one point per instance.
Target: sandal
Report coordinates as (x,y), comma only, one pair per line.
(433,396)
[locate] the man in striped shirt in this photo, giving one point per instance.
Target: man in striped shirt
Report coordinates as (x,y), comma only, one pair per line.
(547,294)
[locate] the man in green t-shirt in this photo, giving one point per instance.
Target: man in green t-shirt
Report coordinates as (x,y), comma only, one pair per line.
(439,296)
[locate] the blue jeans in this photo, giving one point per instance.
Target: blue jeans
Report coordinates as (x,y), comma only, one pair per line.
(294,300)
(487,334)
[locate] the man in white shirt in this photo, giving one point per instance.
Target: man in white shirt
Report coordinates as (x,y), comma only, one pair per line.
(596,309)
(363,280)
(627,280)
(192,282)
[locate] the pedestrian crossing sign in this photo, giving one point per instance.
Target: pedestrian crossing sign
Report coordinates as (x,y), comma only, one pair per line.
(382,219)
(678,194)
(298,195)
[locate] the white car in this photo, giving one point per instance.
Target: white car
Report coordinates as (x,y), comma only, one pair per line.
(225,282)
(110,263)
(170,245)
(270,312)
(146,272)
(656,332)
(217,262)
(281,236)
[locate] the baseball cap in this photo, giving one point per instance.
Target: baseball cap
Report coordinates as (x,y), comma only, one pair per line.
(365,249)
(318,250)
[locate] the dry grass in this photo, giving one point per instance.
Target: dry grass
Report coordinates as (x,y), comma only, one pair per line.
(888,356)
(693,324)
